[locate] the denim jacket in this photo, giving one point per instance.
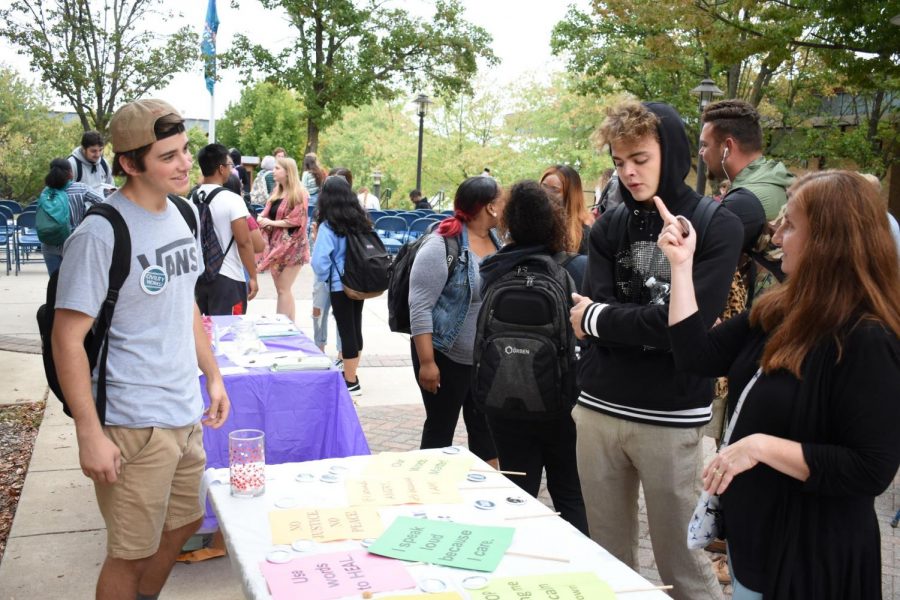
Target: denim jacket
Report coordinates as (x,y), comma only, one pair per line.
(452,307)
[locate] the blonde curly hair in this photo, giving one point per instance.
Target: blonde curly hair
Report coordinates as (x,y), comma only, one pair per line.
(627,121)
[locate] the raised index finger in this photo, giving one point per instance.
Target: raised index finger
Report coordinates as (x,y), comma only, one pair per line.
(668,217)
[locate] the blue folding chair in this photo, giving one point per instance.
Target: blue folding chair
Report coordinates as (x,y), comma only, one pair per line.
(391,211)
(26,239)
(13,206)
(7,233)
(374,215)
(418,228)
(393,231)
(424,211)
(409,217)
(449,213)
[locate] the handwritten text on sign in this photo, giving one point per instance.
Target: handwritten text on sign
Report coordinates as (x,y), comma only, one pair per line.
(475,547)
(328,576)
(397,464)
(557,586)
(324,524)
(401,490)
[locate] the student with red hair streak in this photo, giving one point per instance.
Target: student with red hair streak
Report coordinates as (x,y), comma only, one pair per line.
(444,301)
(816,438)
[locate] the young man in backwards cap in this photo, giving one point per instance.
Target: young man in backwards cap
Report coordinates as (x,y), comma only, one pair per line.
(147,458)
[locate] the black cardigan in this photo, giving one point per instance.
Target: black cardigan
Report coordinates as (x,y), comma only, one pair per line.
(824,537)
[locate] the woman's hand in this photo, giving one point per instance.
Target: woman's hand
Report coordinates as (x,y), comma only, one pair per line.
(429,377)
(677,240)
(264,222)
(730,462)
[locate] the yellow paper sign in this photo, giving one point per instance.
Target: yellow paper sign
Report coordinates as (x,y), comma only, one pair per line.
(401,490)
(324,524)
(397,464)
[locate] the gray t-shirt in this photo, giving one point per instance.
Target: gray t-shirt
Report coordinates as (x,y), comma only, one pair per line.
(426,282)
(152,365)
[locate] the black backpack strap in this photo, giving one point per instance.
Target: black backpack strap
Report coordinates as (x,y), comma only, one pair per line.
(187,214)
(703,215)
(78,167)
(617,225)
(451,247)
(119,267)
(198,201)
(105,166)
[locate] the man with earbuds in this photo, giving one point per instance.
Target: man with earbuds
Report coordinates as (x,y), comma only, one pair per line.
(731,147)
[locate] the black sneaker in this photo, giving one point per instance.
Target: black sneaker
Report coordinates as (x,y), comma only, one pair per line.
(354,388)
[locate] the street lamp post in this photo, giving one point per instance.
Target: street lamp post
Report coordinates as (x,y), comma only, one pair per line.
(376,183)
(422,102)
(705,91)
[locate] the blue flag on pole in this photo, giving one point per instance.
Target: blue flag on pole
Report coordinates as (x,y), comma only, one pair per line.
(208,45)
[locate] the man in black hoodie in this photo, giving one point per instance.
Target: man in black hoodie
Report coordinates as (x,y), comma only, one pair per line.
(639,421)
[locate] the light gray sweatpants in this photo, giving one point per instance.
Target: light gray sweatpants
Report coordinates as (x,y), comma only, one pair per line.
(614,456)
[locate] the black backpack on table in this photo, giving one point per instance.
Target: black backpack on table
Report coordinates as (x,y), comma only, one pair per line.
(524,357)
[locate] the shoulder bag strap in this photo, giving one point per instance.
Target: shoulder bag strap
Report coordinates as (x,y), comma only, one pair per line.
(737,409)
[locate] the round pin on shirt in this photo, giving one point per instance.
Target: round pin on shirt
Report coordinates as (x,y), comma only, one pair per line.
(154,280)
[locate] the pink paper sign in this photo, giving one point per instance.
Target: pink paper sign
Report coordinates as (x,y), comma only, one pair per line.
(336,575)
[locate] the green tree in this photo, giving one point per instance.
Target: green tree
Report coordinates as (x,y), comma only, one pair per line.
(29,136)
(98,54)
(265,117)
(348,52)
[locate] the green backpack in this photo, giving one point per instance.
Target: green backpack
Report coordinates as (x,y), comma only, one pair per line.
(52,218)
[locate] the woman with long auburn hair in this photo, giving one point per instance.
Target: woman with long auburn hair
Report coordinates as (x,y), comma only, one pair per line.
(815,439)
(283,222)
(563,184)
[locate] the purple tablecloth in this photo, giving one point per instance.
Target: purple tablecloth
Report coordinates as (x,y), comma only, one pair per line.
(306,415)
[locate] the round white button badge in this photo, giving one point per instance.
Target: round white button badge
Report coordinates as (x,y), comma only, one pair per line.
(154,280)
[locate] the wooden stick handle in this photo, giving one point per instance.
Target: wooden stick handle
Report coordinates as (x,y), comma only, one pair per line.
(534,516)
(501,472)
(539,556)
(646,589)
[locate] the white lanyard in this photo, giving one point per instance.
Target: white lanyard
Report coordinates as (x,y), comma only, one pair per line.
(737,409)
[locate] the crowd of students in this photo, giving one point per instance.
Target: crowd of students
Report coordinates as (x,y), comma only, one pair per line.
(812,357)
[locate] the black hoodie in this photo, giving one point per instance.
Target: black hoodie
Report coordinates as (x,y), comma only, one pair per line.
(628,370)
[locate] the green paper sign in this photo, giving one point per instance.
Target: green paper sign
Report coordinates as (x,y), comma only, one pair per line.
(559,586)
(473,547)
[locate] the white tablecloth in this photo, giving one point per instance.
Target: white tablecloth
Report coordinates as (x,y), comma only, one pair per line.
(246,528)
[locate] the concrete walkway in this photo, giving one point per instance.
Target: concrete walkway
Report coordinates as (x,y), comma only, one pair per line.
(58,539)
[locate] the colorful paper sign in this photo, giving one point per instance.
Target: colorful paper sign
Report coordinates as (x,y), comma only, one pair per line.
(324,524)
(474,547)
(558,586)
(401,490)
(328,576)
(396,464)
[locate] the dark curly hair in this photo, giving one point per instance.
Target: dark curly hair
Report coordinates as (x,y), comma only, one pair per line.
(530,218)
(339,206)
(736,119)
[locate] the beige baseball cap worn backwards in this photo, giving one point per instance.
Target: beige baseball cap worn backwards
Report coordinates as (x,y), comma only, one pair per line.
(132,125)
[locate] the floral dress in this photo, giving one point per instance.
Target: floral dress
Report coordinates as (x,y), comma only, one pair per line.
(289,246)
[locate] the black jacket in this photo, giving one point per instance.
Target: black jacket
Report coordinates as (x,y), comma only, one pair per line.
(628,370)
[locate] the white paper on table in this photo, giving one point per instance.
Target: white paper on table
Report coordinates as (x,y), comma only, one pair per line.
(232,371)
(265,359)
(265,330)
(302,363)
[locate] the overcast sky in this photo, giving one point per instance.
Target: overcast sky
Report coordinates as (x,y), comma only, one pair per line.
(520,28)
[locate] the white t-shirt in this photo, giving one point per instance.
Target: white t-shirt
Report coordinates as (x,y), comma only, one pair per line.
(225,208)
(369,201)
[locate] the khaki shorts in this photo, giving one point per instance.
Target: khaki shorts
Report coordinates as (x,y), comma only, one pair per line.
(158,489)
